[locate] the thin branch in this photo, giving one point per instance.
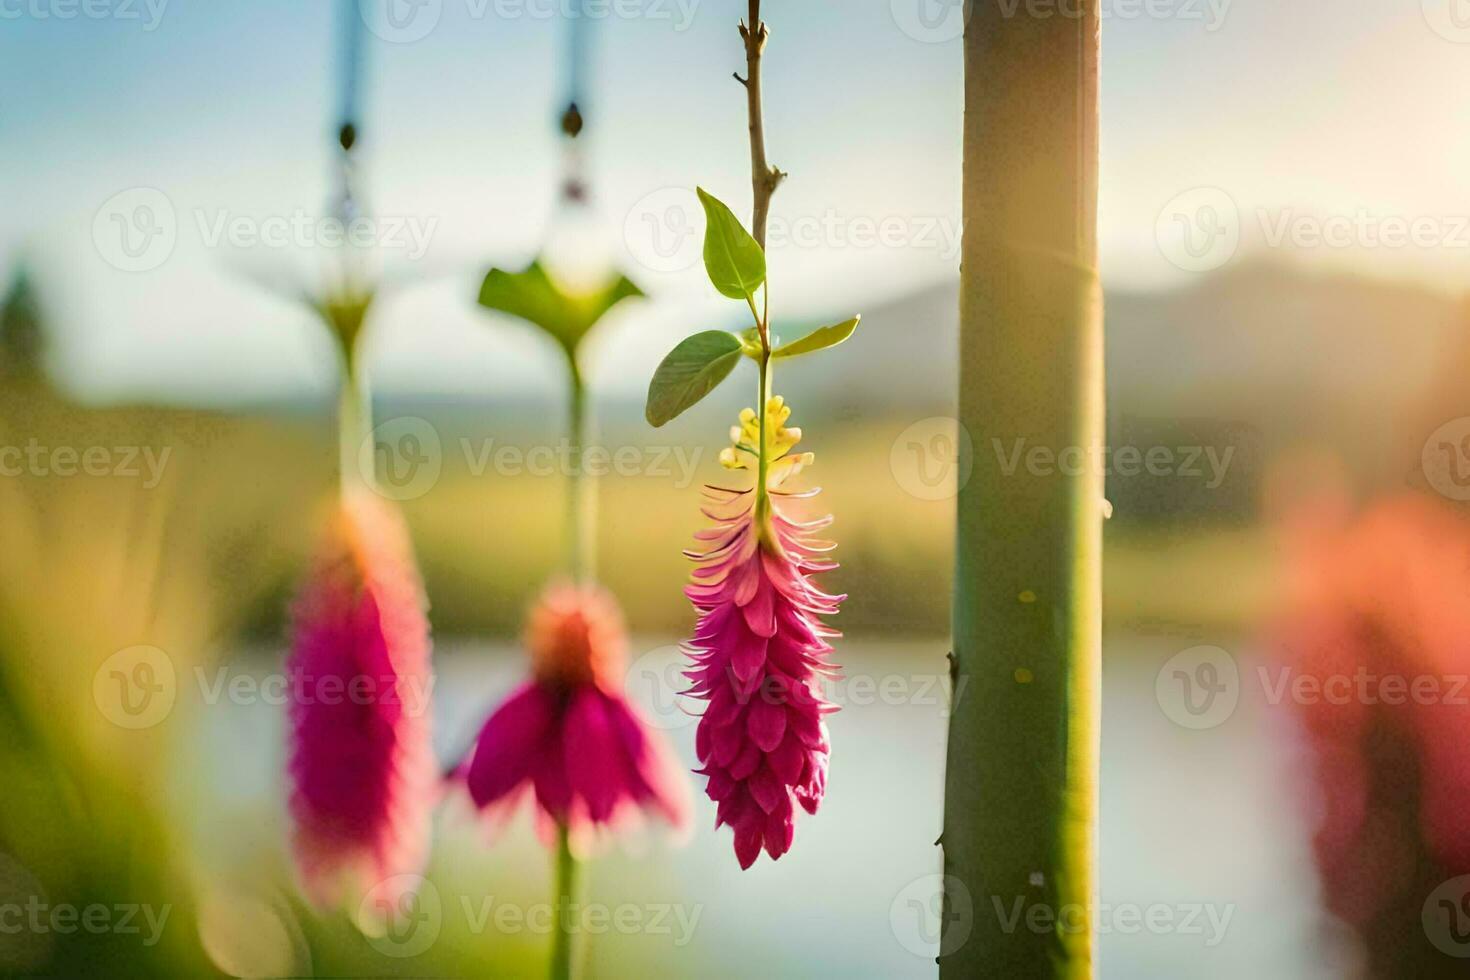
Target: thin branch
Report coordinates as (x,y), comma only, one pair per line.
(764,177)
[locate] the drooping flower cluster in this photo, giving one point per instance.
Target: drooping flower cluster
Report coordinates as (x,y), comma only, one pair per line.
(568,735)
(361,763)
(760,646)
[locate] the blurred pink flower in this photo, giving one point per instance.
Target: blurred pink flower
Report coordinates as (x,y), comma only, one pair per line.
(361,764)
(1378,615)
(760,648)
(568,735)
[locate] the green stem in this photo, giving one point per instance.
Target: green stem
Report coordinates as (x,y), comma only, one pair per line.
(563,949)
(1021,781)
(762,492)
(581,502)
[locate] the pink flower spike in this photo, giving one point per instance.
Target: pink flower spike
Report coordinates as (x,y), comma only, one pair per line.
(361,765)
(759,649)
(568,734)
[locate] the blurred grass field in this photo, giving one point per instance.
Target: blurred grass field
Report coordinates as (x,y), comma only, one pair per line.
(245,491)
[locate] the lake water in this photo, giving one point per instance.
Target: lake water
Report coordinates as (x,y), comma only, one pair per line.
(1204,862)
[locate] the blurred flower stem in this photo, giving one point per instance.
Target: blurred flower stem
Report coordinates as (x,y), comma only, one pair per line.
(581,530)
(581,566)
(1021,776)
(562,947)
(354,423)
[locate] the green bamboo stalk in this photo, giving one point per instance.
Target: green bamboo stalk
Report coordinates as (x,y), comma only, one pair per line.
(1021,785)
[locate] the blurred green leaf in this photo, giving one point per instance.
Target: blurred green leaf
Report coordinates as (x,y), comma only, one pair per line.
(819,339)
(734,260)
(691,370)
(533,296)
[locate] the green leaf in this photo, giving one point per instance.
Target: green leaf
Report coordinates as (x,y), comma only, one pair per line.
(691,370)
(533,296)
(735,262)
(819,339)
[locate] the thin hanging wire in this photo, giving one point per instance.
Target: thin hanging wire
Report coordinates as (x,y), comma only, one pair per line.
(573,119)
(350,66)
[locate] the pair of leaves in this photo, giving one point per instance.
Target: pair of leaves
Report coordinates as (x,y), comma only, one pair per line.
(737,266)
(532,295)
(699,363)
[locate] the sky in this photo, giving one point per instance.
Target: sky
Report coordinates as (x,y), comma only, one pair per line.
(1332,133)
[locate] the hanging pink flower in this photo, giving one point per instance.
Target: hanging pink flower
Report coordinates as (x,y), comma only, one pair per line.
(361,764)
(568,735)
(760,646)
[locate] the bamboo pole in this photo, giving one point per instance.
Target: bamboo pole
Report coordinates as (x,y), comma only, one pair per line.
(1021,781)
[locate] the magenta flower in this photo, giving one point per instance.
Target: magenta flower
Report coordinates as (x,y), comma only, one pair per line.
(361,763)
(760,647)
(568,735)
